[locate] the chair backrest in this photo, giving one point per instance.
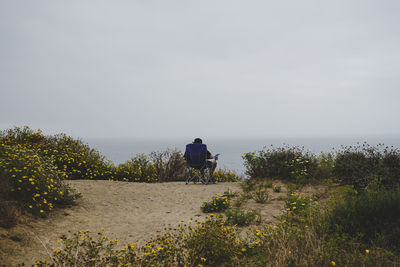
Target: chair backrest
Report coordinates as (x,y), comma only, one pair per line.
(196,155)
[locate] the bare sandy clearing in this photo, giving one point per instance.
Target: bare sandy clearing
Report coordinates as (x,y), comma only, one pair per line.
(130,212)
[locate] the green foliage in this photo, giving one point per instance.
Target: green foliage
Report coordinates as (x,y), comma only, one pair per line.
(138,169)
(217,204)
(264,184)
(324,164)
(212,243)
(298,204)
(372,216)
(241,217)
(163,166)
(248,185)
(305,236)
(291,164)
(169,165)
(241,199)
(32,181)
(221,175)
(360,165)
(285,244)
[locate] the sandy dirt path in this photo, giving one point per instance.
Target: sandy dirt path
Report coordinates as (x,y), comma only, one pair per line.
(130,212)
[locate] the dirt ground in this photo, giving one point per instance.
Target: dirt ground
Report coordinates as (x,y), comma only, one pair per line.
(130,212)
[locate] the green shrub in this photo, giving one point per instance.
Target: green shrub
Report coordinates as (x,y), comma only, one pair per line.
(169,165)
(248,185)
(359,165)
(285,244)
(212,243)
(323,165)
(261,196)
(217,204)
(264,184)
(286,163)
(241,199)
(138,169)
(241,217)
(277,188)
(373,216)
(297,204)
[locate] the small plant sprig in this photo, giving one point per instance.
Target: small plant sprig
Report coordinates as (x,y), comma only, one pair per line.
(266,184)
(261,196)
(241,199)
(277,188)
(248,186)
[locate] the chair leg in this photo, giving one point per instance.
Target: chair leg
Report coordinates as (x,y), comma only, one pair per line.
(202,177)
(188,175)
(205,176)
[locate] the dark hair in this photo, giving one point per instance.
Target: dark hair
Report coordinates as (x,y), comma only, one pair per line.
(198,141)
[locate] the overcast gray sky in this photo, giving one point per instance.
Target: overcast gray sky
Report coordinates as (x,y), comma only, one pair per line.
(200,68)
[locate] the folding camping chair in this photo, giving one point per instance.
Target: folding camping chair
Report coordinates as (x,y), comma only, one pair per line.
(197,169)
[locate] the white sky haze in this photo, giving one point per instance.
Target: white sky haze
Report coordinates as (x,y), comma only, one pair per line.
(138,68)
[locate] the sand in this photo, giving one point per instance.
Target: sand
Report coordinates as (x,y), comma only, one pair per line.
(130,212)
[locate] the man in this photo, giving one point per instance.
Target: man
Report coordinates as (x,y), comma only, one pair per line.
(211,162)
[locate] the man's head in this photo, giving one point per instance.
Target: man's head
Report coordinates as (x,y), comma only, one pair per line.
(197,141)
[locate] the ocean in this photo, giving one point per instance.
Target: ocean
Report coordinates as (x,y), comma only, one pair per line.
(230,149)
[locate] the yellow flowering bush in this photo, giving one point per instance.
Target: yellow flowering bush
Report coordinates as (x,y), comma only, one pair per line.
(138,169)
(206,243)
(33,181)
(76,159)
(212,243)
(217,204)
(296,203)
(221,175)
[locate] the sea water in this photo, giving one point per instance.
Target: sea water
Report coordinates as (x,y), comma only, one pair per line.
(231,150)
